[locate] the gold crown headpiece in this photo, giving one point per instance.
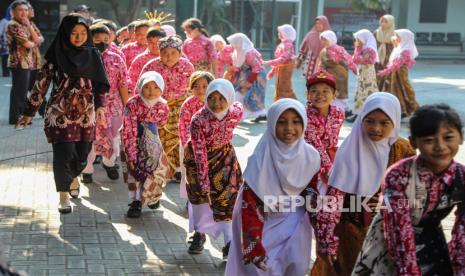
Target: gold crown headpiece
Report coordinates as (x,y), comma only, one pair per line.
(159,17)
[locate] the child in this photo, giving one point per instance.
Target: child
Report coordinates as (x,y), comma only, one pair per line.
(145,158)
(198,48)
(283,164)
(249,77)
(212,169)
(176,71)
(402,58)
(122,36)
(384,44)
(283,64)
(107,134)
(358,169)
(112,46)
(74,66)
(365,56)
(324,121)
(224,56)
(433,184)
(168,29)
(152,52)
(133,49)
(335,60)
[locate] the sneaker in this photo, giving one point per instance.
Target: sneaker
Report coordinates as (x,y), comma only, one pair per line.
(349,113)
(112,172)
(135,209)
(351,119)
(226,251)
(87,178)
(259,119)
(98,159)
(154,205)
(198,240)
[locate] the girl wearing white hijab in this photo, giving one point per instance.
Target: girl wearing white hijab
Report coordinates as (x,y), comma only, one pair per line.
(335,60)
(358,169)
(249,77)
(169,30)
(283,64)
(401,60)
(144,161)
(365,56)
(275,242)
(212,169)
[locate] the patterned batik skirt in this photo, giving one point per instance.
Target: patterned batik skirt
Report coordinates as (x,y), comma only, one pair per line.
(283,85)
(366,85)
(403,90)
(225,177)
(169,135)
(253,97)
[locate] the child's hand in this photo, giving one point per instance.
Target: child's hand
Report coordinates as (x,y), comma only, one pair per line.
(261,265)
(100,112)
(132,165)
(298,63)
(266,63)
(270,75)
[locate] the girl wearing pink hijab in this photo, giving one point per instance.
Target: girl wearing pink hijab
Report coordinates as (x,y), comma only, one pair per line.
(310,48)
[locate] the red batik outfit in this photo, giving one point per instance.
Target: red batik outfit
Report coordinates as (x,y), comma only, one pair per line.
(131,51)
(136,66)
(201,52)
(225,59)
(117,50)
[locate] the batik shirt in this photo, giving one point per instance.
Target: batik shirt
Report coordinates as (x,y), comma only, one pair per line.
(199,49)
(188,109)
(137,64)
(403,60)
(283,54)
(338,54)
(117,77)
(131,51)
(225,58)
(255,61)
(19,56)
(364,56)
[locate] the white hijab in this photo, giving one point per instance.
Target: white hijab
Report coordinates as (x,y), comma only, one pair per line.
(242,45)
(287,32)
(368,40)
(226,89)
(169,30)
(146,78)
(360,163)
(330,36)
(276,168)
(216,38)
(384,36)
(407,42)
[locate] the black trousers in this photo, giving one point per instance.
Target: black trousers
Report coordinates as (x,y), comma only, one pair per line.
(32,81)
(5,69)
(18,93)
(69,159)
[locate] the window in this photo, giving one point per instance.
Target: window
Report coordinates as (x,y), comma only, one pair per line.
(433,11)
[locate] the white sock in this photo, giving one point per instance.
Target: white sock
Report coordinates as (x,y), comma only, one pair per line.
(132,195)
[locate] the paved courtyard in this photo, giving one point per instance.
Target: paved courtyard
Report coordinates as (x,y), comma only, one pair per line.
(97,238)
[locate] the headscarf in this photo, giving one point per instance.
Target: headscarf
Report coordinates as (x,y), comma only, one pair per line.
(199,75)
(226,89)
(384,36)
(169,30)
(242,45)
(287,32)
(170,42)
(368,40)
(312,39)
(146,78)
(276,168)
(330,36)
(84,61)
(407,42)
(360,163)
(215,38)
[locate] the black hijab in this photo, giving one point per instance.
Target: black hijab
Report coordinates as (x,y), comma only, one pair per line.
(84,61)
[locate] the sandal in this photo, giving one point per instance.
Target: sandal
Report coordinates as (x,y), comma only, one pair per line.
(74,193)
(65,208)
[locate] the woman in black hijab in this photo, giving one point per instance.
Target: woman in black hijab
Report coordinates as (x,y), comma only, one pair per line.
(75,68)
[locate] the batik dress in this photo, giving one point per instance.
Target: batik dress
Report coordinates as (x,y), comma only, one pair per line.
(225,60)
(143,147)
(400,85)
(131,51)
(282,66)
(252,72)
(176,87)
(366,75)
(201,52)
(213,172)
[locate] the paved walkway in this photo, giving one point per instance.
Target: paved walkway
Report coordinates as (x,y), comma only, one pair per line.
(97,238)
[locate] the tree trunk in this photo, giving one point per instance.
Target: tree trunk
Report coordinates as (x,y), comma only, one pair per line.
(125,16)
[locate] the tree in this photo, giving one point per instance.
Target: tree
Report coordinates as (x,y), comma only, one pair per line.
(213,16)
(363,5)
(127,14)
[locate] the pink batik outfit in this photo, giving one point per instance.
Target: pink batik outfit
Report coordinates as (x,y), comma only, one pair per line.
(137,64)
(131,51)
(201,52)
(225,59)
(283,55)
(107,139)
(117,50)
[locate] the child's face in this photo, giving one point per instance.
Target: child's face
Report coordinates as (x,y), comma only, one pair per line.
(219,45)
(324,42)
(192,33)
(438,150)
(320,95)
(78,35)
(358,43)
(151,91)
(216,102)
(140,35)
(170,56)
(280,36)
(101,37)
(152,45)
(289,127)
(377,125)
(199,89)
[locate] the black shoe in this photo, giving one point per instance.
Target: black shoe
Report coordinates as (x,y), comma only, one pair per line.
(112,172)
(403,115)
(259,119)
(135,209)
(87,178)
(154,206)
(226,251)
(198,240)
(177,176)
(65,209)
(351,119)
(349,113)
(98,159)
